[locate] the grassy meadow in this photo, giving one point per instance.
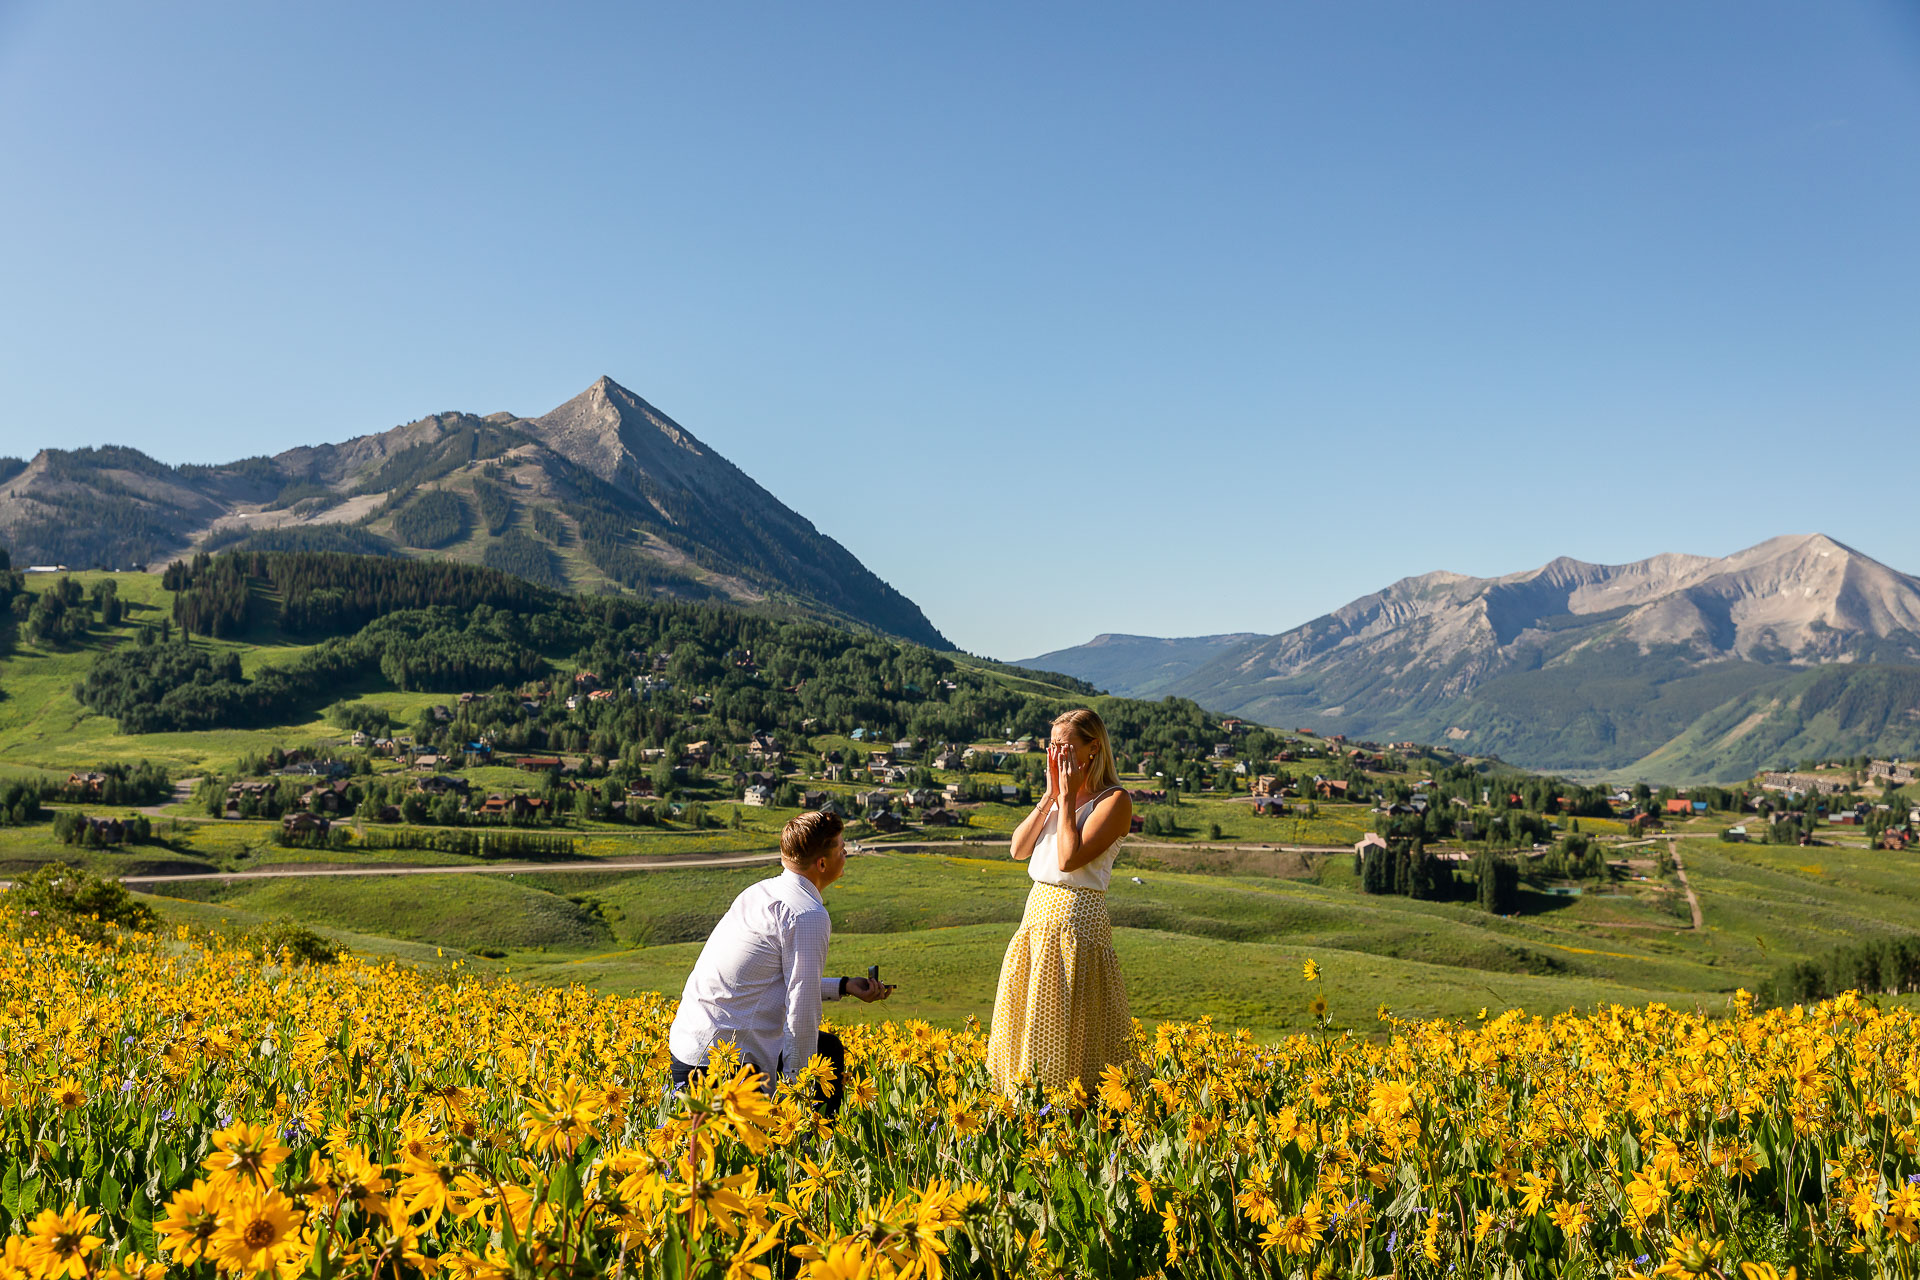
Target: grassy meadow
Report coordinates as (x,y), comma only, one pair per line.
(1215,925)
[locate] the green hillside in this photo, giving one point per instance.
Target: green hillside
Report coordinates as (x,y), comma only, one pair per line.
(1819,714)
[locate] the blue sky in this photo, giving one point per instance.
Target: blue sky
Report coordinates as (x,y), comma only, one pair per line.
(1064,319)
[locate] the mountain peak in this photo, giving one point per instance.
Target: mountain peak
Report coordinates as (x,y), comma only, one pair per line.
(619,437)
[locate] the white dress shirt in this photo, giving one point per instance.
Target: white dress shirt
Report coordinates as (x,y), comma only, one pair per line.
(759,980)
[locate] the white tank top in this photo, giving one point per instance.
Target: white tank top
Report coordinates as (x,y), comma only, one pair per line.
(1044,866)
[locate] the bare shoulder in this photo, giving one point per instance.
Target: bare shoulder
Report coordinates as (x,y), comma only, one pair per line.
(1116,799)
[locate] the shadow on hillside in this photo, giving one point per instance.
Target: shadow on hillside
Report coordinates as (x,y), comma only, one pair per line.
(1534,902)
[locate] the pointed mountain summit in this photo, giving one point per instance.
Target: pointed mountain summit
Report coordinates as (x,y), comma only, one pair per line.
(627,442)
(605,492)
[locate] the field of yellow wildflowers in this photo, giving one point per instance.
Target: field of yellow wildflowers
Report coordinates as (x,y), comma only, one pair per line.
(174,1106)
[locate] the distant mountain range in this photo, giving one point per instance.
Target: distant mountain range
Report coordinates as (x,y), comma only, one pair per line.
(1679,667)
(603,493)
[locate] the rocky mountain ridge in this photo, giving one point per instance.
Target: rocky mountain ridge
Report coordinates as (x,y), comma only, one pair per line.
(1570,665)
(603,492)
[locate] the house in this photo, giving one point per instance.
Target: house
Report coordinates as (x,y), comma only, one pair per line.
(1892,772)
(763,743)
(938,818)
(440,784)
(1140,795)
(360,738)
(1221,750)
(1699,806)
(296,824)
(1803,783)
(586,679)
(1020,746)
(1893,838)
(874,799)
(428,761)
(759,796)
(903,748)
(1846,818)
(89,782)
(814,799)
(858,735)
(1269,806)
(1371,840)
(1330,788)
(948,759)
(495,806)
(1009,794)
(1136,824)
(639,788)
(1231,725)
(887,822)
(600,695)
(1736,835)
(879,759)
(1681,807)
(926,798)
(536,764)
(698,753)
(330,798)
(952,792)
(107,830)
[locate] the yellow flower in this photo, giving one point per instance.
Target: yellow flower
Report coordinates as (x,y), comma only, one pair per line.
(1570,1216)
(426,1186)
(1534,1189)
(193,1214)
(244,1153)
(561,1121)
(1647,1194)
(1688,1255)
(1299,1233)
(69,1094)
(1317,1006)
(258,1233)
(59,1245)
(1312,970)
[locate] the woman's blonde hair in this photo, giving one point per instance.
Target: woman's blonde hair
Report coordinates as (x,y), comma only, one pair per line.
(1086,725)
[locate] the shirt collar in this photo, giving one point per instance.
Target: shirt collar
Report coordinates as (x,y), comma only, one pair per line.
(804,883)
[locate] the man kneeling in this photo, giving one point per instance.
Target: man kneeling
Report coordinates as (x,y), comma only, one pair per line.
(758,982)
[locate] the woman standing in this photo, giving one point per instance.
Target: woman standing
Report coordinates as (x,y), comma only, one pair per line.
(1060,1014)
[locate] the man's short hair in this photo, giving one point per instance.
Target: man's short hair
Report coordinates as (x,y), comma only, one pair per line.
(809,835)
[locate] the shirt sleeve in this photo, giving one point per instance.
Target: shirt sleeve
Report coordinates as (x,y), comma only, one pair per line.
(829,987)
(806,955)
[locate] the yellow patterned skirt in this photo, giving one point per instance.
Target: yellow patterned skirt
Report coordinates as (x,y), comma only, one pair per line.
(1060,1013)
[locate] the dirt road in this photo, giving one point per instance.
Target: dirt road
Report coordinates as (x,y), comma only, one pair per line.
(470,869)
